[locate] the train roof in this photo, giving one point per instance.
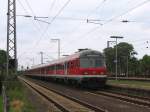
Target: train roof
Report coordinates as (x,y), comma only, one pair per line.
(70,57)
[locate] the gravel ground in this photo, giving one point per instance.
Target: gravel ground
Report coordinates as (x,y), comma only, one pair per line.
(39,103)
(108,103)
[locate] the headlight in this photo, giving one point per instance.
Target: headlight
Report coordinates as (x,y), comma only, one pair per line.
(102,73)
(85,73)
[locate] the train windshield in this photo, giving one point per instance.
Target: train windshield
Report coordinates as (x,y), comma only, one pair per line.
(92,62)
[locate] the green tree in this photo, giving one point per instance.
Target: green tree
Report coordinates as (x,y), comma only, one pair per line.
(134,66)
(145,65)
(110,56)
(125,54)
(2,66)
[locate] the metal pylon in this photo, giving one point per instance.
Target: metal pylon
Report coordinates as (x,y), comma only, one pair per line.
(11,35)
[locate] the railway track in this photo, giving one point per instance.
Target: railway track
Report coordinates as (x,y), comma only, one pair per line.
(129,95)
(106,103)
(63,102)
(142,101)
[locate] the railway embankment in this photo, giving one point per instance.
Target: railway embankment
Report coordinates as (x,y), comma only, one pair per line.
(21,98)
(18,99)
(1,104)
(31,100)
(40,103)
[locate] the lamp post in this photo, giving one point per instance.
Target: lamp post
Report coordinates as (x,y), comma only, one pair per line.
(116,61)
(41,53)
(58,40)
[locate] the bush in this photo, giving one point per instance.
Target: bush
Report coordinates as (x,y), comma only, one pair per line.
(0,85)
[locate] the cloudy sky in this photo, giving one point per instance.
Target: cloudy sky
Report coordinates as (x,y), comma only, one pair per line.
(67,22)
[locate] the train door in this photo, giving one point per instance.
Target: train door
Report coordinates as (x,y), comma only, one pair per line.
(55,69)
(65,68)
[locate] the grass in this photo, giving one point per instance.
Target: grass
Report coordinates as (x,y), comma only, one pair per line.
(18,98)
(134,84)
(1,104)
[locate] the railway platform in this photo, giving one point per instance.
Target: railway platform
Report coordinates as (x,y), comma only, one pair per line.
(131,87)
(137,84)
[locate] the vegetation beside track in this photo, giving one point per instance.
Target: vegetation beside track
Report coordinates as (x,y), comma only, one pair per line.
(128,63)
(130,83)
(18,99)
(1,104)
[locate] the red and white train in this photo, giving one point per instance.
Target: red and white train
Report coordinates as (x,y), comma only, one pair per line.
(86,68)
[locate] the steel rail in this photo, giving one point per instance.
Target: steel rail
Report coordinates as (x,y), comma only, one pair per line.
(92,107)
(133,100)
(59,106)
(129,95)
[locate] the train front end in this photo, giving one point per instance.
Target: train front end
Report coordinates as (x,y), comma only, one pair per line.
(92,69)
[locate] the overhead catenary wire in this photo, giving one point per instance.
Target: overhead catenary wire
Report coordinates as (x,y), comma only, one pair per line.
(39,27)
(84,35)
(122,14)
(137,6)
(25,10)
(53,19)
(91,12)
(75,19)
(33,22)
(30,7)
(22,6)
(139,40)
(59,18)
(91,30)
(66,18)
(117,16)
(50,10)
(97,7)
(126,12)
(51,6)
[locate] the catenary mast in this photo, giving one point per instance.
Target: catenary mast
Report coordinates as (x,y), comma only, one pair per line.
(11,36)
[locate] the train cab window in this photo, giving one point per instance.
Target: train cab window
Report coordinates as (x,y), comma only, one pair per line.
(90,62)
(98,63)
